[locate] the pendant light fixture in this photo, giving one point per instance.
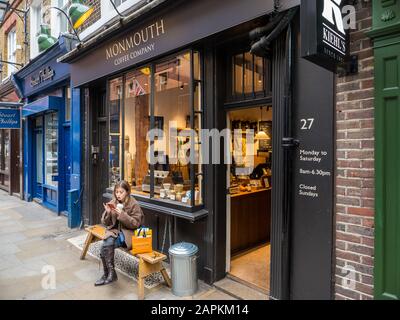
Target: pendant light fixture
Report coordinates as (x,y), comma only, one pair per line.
(44,39)
(79,13)
(261,135)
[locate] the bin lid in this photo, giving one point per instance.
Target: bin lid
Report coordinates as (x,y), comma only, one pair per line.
(183,249)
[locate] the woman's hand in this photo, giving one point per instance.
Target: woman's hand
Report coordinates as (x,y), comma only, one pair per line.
(117,212)
(107,208)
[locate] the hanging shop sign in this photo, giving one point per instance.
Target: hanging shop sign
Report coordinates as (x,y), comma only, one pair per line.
(10,119)
(324,32)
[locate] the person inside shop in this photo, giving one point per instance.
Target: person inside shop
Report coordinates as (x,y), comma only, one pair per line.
(121,216)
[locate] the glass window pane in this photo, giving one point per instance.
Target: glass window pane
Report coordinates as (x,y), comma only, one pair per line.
(1,150)
(115,92)
(137,124)
(237,77)
(258,73)
(39,157)
(196,66)
(198,199)
(68,104)
(248,72)
(51,149)
(7,148)
(38,122)
(172,114)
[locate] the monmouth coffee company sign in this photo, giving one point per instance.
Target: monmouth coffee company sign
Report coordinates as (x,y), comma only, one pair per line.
(162,33)
(325,36)
(10,119)
(135,44)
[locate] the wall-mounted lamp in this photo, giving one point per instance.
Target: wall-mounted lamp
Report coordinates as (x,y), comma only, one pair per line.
(8,62)
(78,13)
(6,6)
(44,39)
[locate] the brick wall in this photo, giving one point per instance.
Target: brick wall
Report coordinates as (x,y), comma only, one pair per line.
(355,168)
(10,22)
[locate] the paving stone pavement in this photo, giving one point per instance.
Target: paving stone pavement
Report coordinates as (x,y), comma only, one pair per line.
(34,246)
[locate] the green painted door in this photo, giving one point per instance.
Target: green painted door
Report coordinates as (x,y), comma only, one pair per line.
(387,126)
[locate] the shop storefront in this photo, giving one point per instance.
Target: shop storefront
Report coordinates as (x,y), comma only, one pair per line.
(10,157)
(260,222)
(51,124)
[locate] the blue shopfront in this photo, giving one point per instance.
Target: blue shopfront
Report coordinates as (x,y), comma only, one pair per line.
(52,133)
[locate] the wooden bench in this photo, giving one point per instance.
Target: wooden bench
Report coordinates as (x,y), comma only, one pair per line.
(149,263)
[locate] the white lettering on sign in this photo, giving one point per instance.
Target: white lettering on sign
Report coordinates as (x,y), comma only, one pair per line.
(129,46)
(333,14)
(333,39)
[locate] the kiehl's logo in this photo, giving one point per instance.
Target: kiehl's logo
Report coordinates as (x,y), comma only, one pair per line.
(333,13)
(334,35)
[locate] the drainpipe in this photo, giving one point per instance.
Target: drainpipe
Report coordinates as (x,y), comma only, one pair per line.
(263,46)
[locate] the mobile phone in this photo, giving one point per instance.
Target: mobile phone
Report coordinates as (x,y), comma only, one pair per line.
(111,206)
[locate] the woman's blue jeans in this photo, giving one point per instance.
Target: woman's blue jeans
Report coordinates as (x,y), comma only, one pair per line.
(111,241)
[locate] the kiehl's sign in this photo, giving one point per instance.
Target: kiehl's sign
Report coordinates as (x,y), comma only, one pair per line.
(325,28)
(135,44)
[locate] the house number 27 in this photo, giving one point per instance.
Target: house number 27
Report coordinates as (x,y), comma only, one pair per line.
(306,124)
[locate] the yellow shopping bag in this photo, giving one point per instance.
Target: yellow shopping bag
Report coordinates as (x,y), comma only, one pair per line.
(142,241)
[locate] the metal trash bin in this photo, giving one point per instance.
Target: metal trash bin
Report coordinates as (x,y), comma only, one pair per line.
(183,258)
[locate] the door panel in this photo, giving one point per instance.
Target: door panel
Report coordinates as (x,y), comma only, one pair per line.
(38,168)
(67,164)
(387,225)
(100,157)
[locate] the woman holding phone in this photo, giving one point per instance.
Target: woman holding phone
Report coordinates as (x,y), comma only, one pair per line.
(121,216)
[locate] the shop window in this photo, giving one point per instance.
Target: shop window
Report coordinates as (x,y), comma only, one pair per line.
(137,124)
(250,77)
(39,157)
(67,104)
(114,138)
(177,112)
(51,149)
(1,150)
(165,166)
(4,157)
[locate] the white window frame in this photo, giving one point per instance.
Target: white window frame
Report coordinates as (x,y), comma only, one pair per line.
(122,2)
(11,50)
(56,17)
(107,13)
(35,17)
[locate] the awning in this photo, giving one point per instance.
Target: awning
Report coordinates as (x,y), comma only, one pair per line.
(42,105)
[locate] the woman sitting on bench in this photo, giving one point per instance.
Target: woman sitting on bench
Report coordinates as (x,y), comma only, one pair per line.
(121,216)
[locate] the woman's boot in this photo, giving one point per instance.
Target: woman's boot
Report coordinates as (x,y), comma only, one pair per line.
(103,278)
(112,274)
